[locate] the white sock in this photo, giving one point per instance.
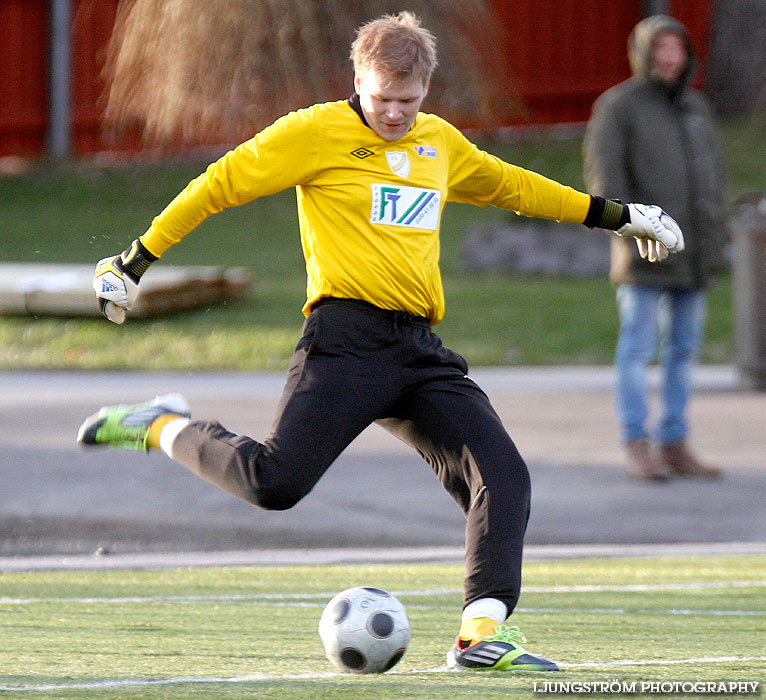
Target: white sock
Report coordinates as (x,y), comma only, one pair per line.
(492,608)
(169,432)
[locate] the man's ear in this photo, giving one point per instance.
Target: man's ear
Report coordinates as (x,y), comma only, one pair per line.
(357,82)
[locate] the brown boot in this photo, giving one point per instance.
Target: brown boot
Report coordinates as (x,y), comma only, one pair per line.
(679,460)
(641,465)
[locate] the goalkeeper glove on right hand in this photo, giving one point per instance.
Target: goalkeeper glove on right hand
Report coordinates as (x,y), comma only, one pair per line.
(116,279)
(655,231)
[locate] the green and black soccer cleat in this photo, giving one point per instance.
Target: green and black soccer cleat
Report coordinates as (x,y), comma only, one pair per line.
(128,426)
(501,652)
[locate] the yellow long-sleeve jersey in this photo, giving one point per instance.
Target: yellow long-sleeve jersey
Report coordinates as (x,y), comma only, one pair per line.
(369,210)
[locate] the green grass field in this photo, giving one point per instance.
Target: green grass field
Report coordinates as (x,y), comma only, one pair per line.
(251,632)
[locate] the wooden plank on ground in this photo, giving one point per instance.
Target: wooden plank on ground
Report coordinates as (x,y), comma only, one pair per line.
(65,290)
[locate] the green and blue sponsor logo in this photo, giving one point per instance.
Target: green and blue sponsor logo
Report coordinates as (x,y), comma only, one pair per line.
(413,207)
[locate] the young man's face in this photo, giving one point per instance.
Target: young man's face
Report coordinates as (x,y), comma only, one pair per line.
(389,108)
(669,57)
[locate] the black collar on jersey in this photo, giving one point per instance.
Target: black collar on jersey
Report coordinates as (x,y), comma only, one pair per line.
(355,104)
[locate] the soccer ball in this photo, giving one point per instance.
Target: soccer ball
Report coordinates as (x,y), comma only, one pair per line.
(364,630)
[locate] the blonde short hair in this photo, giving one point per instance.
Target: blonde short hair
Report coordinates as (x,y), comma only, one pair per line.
(395,47)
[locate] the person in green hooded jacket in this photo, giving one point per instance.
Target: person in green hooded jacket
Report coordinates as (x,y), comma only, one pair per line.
(654,138)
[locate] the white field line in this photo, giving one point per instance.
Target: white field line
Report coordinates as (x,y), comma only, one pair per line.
(664,662)
(609,611)
(254,678)
(628,611)
(265,598)
(539,611)
(133,683)
(639,587)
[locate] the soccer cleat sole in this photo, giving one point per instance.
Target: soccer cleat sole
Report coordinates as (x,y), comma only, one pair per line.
(478,660)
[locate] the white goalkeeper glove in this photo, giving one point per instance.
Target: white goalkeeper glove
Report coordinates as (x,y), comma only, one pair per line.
(655,231)
(116,279)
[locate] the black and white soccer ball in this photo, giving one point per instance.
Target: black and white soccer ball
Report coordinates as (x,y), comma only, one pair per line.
(364,630)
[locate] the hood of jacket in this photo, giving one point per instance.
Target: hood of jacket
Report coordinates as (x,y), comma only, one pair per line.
(640,44)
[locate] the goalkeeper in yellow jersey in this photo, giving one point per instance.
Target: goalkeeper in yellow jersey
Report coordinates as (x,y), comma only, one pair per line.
(372,175)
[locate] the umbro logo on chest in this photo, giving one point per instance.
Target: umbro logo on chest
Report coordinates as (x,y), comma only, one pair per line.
(362,153)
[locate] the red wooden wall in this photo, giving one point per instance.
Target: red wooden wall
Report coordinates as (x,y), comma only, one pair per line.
(562,55)
(23,75)
(92,22)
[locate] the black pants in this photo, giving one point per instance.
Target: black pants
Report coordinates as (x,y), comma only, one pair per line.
(356,364)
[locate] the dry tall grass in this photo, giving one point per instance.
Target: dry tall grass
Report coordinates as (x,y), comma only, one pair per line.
(196,71)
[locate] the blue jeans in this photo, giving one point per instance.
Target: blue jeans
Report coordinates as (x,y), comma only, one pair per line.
(675,318)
